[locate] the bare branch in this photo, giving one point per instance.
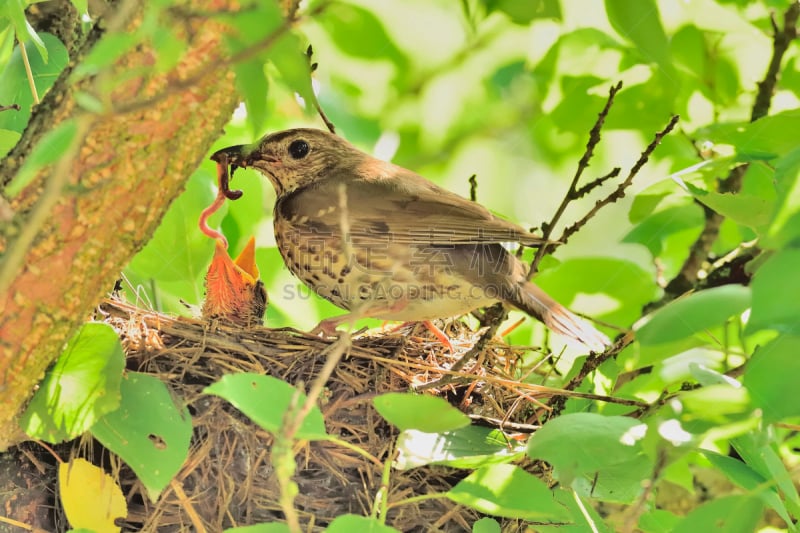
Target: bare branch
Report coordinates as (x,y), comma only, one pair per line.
(619,192)
(583,164)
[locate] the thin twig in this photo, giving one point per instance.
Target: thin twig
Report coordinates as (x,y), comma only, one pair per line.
(197,522)
(28,71)
(583,164)
(619,192)
(311,68)
(15,107)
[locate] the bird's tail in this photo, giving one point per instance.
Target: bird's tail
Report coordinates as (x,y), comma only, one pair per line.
(558,318)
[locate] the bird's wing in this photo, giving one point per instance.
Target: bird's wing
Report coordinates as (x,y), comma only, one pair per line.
(407,207)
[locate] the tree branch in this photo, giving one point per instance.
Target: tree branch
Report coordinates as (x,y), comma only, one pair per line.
(687,277)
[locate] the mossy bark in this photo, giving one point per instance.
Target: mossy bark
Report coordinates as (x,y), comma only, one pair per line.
(108,198)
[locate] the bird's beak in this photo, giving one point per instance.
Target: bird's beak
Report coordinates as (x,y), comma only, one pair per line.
(233,155)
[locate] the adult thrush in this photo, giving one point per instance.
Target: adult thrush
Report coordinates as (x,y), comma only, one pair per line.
(380,241)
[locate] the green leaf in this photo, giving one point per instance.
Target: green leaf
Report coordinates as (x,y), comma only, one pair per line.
(715,402)
(179,251)
(771,378)
(468,447)
(266,400)
(359,33)
(253,85)
(694,313)
(658,521)
(746,209)
(765,138)
(761,456)
(639,22)
(82,386)
(272,527)
(776,294)
(598,456)
(15,11)
(429,414)
(486,525)
(785,228)
(620,279)
(81,6)
(745,477)
(8,140)
(148,431)
(523,13)
(53,145)
(104,53)
(15,89)
(509,491)
(348,523)
(289,57)
(654,229)
(732,514)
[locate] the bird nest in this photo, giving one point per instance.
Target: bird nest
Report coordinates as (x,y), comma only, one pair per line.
(228,478)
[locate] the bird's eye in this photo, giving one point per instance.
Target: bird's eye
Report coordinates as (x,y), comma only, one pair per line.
(298,149)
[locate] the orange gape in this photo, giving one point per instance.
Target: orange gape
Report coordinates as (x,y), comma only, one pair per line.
(234,292)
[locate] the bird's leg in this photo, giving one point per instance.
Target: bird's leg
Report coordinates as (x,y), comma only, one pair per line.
(328,326)
(439,334)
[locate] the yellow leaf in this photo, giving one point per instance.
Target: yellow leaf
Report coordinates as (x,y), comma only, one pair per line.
(91,498)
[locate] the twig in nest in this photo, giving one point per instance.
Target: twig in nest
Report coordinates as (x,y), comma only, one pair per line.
(312,67)
(492,319)
(592,362)
(688,275)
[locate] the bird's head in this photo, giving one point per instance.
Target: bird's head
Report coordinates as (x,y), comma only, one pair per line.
(292,159)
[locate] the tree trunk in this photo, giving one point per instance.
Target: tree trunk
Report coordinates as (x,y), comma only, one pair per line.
(80,221)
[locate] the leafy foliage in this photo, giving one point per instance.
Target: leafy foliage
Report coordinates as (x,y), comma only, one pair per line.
(507,91)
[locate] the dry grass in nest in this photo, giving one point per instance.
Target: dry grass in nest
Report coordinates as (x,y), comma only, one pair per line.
(228,478)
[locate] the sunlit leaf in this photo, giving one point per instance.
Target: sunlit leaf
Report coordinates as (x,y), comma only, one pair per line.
(52,146)
(272,527)
(776,293)
(8,139)
(468,447)
(695,313)
(82,386)
(148,431)
(598,456)
(15,11)
(507,490)
(486,525)
(15,89)
(91,498)
(104,53)
(349,522)
(266,400)
(178,250)
(524,12)
(745,477)
(746,209)
(763,139)
(640,22)
(727,513)
(769,378)
(429,414)
(655,228)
